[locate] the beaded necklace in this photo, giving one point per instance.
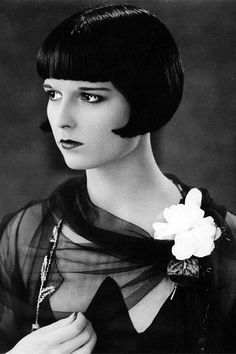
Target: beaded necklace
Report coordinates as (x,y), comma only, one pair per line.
(47,261)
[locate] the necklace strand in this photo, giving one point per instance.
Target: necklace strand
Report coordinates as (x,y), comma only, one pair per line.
(46,291)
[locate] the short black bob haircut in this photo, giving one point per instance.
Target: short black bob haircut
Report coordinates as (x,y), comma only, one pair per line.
(127,46)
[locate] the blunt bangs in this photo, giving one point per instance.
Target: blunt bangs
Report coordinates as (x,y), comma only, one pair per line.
(70,58)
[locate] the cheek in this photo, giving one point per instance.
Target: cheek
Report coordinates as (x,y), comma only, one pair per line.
(49,111)
(114,116)
(106,146)
(120,113)
(101,128)
(102,139)
(50,115)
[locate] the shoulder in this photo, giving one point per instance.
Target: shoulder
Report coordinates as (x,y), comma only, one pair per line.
(17,229)
(209,205)
(26,219)
(17,232)
(231,221)
(29,214)
(226,246)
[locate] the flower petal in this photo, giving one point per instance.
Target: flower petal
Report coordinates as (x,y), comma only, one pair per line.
(163,231)
(203,231)
(185,224)
(194,197)
(218,233)
(183,217)
(204,248)
(182,253)
(184,245)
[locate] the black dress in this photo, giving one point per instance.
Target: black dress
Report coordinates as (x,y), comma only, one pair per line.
(118,265)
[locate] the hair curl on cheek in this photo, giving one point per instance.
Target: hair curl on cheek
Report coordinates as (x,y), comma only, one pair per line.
(45,126)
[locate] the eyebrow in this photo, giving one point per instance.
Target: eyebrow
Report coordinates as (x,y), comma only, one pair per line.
(84,88)
(46,86)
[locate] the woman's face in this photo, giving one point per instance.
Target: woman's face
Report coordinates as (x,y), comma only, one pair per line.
(82,115)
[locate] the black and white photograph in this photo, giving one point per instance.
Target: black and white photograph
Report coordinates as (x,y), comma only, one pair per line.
(117,176)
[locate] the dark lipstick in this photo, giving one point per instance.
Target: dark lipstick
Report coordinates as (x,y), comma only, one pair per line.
(70,144)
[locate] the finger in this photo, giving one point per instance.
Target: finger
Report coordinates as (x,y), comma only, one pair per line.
(79,341)
(56,325)
(73,329)
(88,347)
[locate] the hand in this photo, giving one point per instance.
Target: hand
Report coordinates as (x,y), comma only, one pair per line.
(73,334)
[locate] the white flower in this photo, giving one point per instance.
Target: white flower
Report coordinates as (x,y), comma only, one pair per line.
(185,224)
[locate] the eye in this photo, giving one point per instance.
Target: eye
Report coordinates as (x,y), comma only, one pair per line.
(90,98)
(53,95)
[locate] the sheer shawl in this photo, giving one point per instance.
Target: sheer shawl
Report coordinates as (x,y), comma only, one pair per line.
(25,241)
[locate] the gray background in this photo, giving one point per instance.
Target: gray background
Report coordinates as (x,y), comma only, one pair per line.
(199,143)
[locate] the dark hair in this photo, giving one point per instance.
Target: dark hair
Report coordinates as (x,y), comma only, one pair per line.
(125,45)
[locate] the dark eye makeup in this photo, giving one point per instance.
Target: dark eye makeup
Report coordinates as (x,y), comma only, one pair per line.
(91,98)
(84,96)
(51,94)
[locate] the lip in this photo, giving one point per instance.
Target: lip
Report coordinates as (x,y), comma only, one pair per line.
(70,144)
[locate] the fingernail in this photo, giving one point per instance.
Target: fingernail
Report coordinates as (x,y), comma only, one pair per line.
(80,314)
(72,316)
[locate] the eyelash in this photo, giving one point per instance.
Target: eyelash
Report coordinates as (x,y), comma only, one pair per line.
(49,94)
(84,96)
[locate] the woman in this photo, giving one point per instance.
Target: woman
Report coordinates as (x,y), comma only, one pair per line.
(98,266)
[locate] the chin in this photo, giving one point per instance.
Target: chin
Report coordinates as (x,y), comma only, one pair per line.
(87,164)
(75,165)
(78,164)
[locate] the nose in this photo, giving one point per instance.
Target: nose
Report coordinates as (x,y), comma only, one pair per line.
(66,115)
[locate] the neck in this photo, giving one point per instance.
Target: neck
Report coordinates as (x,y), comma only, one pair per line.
(131,180)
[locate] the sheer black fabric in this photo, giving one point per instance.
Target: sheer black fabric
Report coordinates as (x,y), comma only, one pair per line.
(116,260)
